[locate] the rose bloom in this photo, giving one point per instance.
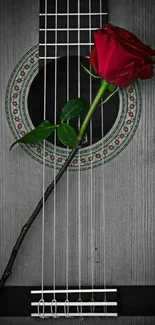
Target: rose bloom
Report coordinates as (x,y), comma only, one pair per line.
(120,57)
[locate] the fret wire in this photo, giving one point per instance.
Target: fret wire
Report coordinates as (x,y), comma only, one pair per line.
(52,57)
(49,57)
(65,44)
(75,14)
(69,29)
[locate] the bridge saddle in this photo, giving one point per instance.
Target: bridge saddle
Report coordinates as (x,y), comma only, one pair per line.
(71,303)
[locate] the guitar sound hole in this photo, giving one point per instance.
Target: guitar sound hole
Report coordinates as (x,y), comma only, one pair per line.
(36,97)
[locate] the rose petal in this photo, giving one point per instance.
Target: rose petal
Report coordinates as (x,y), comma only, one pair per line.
(124,34)
(147,72)
(93,59)
(120,57)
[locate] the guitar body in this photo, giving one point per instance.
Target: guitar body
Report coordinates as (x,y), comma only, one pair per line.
(122,188)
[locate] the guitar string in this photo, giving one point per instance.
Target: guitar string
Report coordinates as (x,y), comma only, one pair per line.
(67,201)
(79,176)
(55,121)
(43,215)
(43,170)
(103,167)
(91,174)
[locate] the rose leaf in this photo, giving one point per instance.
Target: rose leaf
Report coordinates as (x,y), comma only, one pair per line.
(72,108)
(67,135)
(90,73)
(41,132)
(106,99)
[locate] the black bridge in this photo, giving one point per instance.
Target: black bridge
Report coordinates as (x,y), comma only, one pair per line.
(131,300)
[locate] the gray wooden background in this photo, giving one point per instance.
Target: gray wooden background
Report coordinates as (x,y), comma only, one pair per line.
(129,181)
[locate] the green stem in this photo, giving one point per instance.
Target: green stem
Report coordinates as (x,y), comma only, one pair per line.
(8,270)
(101,91)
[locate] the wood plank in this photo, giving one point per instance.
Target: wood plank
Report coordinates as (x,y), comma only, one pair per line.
(129,180)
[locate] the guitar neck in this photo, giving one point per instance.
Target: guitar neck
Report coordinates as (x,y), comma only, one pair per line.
(69,24)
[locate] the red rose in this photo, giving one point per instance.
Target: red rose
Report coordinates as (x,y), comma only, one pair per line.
(120,57)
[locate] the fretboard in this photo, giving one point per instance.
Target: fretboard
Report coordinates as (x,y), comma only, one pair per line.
(70,24)
(66,39)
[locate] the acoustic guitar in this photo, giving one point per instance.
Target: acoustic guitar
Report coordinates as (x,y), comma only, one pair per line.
(90,253)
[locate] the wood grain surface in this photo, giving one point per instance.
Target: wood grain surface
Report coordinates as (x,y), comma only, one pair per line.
(129,183)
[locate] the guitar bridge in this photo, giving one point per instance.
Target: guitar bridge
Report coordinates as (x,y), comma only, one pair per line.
(74,303)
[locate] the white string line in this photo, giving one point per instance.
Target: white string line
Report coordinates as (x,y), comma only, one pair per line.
(75,14)
(91,190)
(101,13)
(104,218)
(78,314)
(75,290)
(55,117)
(76,303)
(67,203)
(43,211)
(48,57)
(79,208)
(66,29)
(52,57)
(65,44)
